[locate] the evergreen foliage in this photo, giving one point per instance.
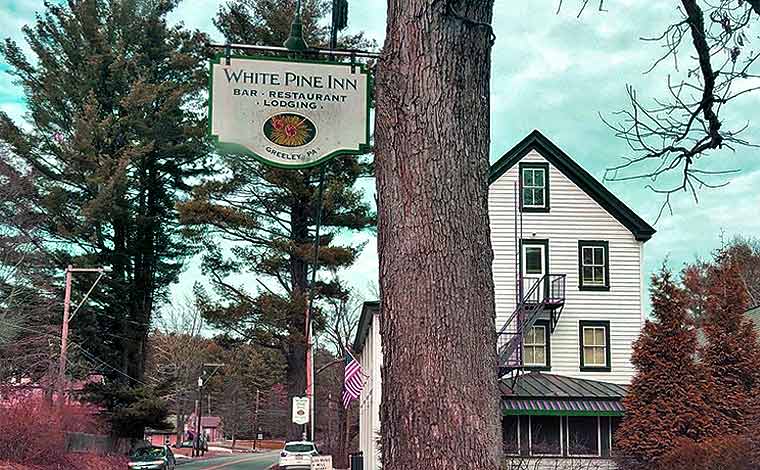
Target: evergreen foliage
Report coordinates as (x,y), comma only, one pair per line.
(667,399)
(114,131)
(732,351)
(266,217)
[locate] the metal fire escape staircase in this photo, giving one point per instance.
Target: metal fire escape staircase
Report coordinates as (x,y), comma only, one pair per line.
(543,300)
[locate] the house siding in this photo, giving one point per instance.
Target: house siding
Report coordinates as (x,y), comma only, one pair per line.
(371,359)
(573,216)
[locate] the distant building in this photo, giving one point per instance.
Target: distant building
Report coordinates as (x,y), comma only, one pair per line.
(211,427)
(568,281)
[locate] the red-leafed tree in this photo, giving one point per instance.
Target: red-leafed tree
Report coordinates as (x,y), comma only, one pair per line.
(743,253)
(666,403)
(732,351)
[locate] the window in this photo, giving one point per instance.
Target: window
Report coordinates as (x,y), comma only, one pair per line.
(595,342)
(534,187)
(545,435)
(583,436)
(510,434)
(594,265)
(534,259)
(534,263)
(536,350)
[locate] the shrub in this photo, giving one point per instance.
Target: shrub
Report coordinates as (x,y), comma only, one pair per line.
(724,453)
(34,432)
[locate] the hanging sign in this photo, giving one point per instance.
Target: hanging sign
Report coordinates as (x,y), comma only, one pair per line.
(300,410)
(289,114)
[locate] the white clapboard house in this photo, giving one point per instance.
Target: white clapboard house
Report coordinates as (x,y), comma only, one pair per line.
(568,278)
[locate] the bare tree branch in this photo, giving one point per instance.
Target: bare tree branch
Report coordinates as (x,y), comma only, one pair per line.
(669,136)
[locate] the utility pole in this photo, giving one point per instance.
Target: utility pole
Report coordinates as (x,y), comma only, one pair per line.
(70,270)
(199,413)
(64,339)
(256,420)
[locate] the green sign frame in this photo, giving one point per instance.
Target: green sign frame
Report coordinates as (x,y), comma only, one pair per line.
(236,148)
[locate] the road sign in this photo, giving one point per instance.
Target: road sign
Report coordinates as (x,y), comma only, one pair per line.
(321,462)
(300,410)
(289,113)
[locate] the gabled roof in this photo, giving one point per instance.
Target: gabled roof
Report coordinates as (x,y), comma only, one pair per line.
(641,230)
(365,321)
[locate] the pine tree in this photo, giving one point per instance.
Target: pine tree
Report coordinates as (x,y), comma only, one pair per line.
(267,216)
(114,132)
(666,402)
(732,351)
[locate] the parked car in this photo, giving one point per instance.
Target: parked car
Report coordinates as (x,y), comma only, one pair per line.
(297,454)
(152,458)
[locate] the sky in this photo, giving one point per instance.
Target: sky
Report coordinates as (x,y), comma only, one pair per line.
(556,73)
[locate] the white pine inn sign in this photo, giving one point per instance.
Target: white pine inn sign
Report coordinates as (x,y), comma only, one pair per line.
(289,114)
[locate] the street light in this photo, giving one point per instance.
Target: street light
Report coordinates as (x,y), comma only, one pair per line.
(70,270)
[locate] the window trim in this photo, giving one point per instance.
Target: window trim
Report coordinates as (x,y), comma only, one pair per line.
(534,241)
(598,438)
(594,244)
(608,355)
(548,347)
(519,444)
(535,166)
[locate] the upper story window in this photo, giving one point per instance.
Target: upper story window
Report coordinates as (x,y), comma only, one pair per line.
(595,346)
(594,265)
(534,187)
(536,346)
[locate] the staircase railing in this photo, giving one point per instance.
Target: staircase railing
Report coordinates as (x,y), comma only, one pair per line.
(544,293)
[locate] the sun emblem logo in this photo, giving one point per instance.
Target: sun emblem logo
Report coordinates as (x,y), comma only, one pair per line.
(289,130)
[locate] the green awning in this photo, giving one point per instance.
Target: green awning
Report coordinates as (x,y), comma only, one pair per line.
(554,407)
(538,393)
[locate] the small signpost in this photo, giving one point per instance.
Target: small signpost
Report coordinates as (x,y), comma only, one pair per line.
(321,462)
(300,410)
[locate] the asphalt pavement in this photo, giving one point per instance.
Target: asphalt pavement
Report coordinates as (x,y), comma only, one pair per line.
(234,462)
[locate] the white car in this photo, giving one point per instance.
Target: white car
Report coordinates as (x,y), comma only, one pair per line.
(297,454)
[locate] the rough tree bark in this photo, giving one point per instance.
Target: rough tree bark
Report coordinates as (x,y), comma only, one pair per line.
(440,400)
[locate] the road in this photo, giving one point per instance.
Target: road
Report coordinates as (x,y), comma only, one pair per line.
(234,462)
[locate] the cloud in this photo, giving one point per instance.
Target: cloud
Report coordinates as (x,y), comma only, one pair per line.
(554,72)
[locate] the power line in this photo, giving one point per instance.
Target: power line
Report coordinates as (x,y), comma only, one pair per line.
(91,356)
(14,325)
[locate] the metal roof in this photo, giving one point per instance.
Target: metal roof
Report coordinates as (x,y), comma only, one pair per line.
(541,385)
(562,407)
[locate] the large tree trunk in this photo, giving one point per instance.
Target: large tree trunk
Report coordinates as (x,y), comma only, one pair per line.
(440,400)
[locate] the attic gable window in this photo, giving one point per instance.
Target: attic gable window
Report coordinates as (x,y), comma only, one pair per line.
(534,187)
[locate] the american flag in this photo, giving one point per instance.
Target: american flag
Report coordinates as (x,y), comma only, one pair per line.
(353,380)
